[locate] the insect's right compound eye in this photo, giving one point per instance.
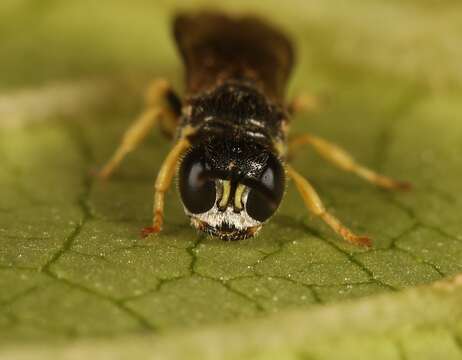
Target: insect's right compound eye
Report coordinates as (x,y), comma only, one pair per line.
(263,200)
(197,190)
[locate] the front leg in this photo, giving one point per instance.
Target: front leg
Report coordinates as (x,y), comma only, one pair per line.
(314,204)
(162,184)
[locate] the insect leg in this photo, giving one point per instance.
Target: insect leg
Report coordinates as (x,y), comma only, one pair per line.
(160,93)
(315,205)
(162,184)
(304,103)
(345,161)
(157,107)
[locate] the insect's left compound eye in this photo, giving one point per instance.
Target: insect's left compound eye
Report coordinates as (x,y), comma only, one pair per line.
(265,197)
(197,189)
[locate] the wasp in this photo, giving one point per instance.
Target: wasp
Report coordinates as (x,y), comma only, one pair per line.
(231,130)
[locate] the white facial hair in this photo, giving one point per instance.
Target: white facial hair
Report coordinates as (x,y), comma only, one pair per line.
(216,218)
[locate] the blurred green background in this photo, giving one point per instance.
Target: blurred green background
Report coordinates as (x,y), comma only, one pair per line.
(75,279)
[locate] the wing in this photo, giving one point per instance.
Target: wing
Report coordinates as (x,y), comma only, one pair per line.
(216,47)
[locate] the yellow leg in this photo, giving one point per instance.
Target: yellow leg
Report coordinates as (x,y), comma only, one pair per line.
(156,108)
(160,94)
(315,205)
(304,103)
(345,161)
(162,184)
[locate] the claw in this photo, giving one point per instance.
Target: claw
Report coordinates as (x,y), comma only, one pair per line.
(403,186)
(391,184)
(150,230)
(362,241)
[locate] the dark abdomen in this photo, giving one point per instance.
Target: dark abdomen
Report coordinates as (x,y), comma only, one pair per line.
(216,48)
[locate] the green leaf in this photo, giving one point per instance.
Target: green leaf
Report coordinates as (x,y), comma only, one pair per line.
(75,278)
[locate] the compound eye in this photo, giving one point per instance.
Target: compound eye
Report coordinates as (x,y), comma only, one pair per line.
(197,190)
(264,198)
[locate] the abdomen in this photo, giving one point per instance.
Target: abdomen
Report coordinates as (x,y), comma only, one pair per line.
(217,48)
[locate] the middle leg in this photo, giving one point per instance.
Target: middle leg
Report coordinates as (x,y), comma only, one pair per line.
(345,161)
(161,105)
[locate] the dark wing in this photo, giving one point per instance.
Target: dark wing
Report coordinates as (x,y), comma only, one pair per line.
(216,47)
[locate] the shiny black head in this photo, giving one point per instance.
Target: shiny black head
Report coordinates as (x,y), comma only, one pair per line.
(230,187)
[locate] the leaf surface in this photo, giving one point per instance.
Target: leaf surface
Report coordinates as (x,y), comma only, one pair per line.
(75,278)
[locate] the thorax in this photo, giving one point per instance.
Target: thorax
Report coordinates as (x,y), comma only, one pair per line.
(235,110)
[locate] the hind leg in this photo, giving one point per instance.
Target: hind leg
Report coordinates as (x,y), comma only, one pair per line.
(161,105)
(304,103)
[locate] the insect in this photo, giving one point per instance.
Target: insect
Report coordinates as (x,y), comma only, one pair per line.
(231,130)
